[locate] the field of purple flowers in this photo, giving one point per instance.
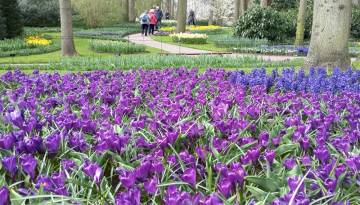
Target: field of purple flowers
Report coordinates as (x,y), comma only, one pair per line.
(180,137)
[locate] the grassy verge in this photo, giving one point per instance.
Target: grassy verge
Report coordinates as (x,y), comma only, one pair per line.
(151,61)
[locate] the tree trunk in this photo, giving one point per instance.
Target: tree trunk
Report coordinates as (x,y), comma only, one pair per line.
(67,40)
(181,16)
(237,10)
(243,7)
(211,13)
(173,9)
(249,4)
(356,2)
(330,34)
(263,3)
(300,25)
(168,7)
(131,11)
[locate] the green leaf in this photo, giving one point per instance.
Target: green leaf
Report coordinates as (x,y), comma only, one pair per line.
(285,148)
(261,195)
(267,184)
(296,171)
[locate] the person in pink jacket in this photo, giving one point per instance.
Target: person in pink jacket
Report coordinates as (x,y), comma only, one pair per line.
(153,21)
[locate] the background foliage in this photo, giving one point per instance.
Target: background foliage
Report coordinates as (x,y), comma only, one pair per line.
(40,13)
(263,23)
(13,20)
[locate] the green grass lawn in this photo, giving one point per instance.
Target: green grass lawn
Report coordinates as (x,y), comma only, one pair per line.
(82,47)
(210,46)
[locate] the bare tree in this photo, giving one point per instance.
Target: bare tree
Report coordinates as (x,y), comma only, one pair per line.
(181,16)
(330,34)
(300,25)
(67,40)
(131,10)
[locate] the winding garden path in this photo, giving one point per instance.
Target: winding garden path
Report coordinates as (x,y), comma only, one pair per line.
(177,49)
(165,47)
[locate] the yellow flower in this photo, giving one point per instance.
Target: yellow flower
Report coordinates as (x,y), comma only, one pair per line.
(192,28)
(37,41)
(204,28)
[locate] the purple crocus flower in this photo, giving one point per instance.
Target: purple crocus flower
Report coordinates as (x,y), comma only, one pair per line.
(7,141)
(330,184)
(201,152)
(293,183)
(189,176)
(52,143)
(127,179)
(289,163)
(45,183)
(93,170)
(213,199)
(33,144)
(225,187)
(150,186)
(68,164)
(9,164)
(4,196)
(16,118)
(28,164)
(322,153)
(306,161)
(253,155)
(129,197)
(270,156)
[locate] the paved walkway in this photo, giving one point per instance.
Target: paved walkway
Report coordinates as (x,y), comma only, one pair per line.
(176,49)
(167,48)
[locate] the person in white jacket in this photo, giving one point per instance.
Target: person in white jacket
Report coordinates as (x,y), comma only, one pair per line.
(144,21)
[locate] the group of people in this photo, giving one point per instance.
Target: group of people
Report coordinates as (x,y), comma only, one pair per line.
(150,21)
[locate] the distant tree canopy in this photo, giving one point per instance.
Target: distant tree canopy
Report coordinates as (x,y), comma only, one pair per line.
(10,19)
(96,13)
(40,13)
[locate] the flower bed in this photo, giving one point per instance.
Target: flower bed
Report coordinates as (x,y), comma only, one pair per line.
(177,136)
(189,38)
(284,50)
(109,33)
(118,47)
(30,45)
(195,29)
(168,23)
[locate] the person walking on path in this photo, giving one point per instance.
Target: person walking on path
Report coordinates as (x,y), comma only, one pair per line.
(191,18)
(159,16)
(153,21)
(144,21)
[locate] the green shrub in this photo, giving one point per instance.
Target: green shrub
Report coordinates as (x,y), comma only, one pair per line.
(107,46)
(263,23)
(40,13)
(225,41)
(2,25)
(189,38)
(355,23)
(14,21)
(284,4)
